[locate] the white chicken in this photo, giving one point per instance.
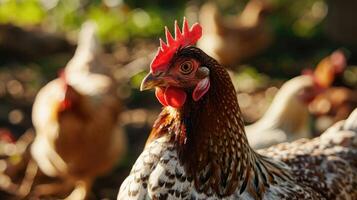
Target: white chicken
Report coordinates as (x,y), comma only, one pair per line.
(287,118)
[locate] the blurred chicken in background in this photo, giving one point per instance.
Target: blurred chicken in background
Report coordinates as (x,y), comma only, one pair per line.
(333,105)
(233,39)
(288,118)
(75,117)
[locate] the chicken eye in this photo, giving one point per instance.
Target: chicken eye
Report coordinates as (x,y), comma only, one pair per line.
(186,67)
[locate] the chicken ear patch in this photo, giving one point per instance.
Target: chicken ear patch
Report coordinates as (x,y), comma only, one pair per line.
(201,89)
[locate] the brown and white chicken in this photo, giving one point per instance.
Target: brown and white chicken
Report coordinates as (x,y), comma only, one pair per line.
(198,149)
(76,120)
(288,117)
(232,39)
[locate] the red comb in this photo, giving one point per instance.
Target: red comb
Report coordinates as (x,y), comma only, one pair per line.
(63,78)
(338,60)
(188,36)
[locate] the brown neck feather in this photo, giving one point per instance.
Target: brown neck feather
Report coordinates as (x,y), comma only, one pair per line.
(216,152)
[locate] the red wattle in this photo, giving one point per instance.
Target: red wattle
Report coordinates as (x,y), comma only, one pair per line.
(159,92)
(175,97)
(171,96)
(66,104)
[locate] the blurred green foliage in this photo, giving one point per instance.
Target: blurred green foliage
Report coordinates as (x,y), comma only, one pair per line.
(21,12)
(297,25)
(303,18)
(136,80)
(117,21)
(297,18)
(123,20)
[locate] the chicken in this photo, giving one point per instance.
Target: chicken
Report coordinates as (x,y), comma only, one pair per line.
(198,149)
(288,117)
(75,117)
(333,105)
(232,40)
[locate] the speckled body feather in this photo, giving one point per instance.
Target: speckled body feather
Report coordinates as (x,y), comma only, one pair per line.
(200,151)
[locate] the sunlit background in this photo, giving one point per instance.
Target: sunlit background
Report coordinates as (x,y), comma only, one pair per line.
(38,38)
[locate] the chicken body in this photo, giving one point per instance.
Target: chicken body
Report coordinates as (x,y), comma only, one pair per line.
(322,168)
(287,118)
(75,145)
(232,40)
(84,141)
(200,151)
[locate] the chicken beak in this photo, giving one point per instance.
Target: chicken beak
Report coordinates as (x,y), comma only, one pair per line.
(150,81)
